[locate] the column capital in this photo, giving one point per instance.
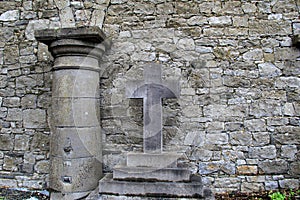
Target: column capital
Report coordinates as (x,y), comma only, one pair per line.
(79,47)
(87,37)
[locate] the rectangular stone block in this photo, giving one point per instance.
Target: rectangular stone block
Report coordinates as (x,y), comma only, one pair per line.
(34,118)
(151,174)
(160,189)
(75,83)
(77,142)
(75,112)
(163,160)
(74,175)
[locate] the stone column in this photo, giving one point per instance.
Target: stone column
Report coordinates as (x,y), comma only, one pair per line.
(76,147)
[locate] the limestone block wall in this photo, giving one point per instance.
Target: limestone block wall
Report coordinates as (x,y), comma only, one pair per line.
(237,119)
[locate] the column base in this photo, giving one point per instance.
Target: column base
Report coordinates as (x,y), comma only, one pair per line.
(68,196)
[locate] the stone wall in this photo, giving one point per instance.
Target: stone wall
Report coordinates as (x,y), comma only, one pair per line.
(237,120)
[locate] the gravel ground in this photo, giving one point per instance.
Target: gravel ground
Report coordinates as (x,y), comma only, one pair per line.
(22,194)
(19,194)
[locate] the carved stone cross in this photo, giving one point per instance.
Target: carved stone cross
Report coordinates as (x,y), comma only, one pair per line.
(152,89)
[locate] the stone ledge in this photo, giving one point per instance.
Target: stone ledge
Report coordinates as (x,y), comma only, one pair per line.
(151,174)
(91,34)
(149,189)
(158,160)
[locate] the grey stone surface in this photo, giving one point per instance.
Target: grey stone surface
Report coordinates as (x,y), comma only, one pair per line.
(34,118)
(152,160)
(75,111)
(158,189)
(74,175)
(151,174)
(76,83)
(77,142)
(152,90)
(76,149)
(273,166)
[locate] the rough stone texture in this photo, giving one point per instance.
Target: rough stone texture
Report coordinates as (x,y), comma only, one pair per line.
(237,62)
(160,189)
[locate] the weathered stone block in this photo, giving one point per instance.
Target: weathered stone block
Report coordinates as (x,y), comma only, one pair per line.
(11,163)
(217,138)
(252,187)
(11,102)
(34,118)
(77,142)
(26,81)
(223,112)
(11,54)
(261,138)
(76,111)
(295,168)
(11,183)
(75,175)
(27,168)
(268,70)
(271,185)
(240,138)
(21,142)
(265,27)
(286,53)
(151,174)
(3,81)
(273,166)
(40,142)
(152,160)
(249,8)
(220,21)
(75,83)
(289,151)
(6,142)
(195,138)
(254,125)
(265,109)
(14,114)
(29,101)
(289,110)
(265,152)
(247,170)
(11,15)
(253,55)
(288,137)
(186,44)
(42,167)
(201,155)
(192,111)
(216,166)
(289,183)
(221,182)
(193,189)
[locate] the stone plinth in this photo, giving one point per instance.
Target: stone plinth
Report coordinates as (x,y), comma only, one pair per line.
(153,189)
(152,160)
(153,173)
(76,152)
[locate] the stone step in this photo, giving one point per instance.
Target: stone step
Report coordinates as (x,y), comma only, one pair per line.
(108,185)
(122,172)
(159,160)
